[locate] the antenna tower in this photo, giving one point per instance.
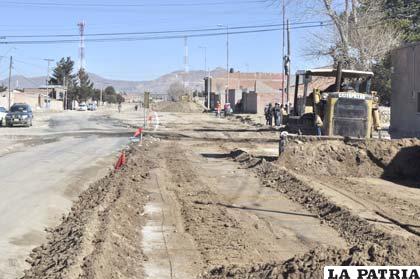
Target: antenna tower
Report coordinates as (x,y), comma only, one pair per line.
(81,26)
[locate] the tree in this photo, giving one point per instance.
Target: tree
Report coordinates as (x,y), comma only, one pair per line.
(361,35)
(111,96)
(405,14)
(381,81)
(176,90)
(3,88)
(120,98)
(85,87)
(63,70)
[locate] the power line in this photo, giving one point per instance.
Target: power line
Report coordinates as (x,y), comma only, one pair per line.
(166,31)
(29,64)
(23,76)
(127,5)
(126,39)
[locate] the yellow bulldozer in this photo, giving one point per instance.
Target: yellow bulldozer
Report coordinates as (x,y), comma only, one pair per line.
(346,108)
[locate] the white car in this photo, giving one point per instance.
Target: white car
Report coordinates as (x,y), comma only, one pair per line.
(3,113)
(82,107)
(91,107)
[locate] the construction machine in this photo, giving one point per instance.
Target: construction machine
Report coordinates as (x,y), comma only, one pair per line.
(346,108)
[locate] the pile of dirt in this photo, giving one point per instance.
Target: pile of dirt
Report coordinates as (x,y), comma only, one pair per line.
(99,237)
(370,245)
(308,265)
(246,120)
(354,158)
(184,107)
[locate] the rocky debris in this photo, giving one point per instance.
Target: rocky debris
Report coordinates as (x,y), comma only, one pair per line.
(309,265)
(370,245)
(353,158)
(84,244)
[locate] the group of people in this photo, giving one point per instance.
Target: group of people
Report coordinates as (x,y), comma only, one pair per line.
(227,110)
(277,112)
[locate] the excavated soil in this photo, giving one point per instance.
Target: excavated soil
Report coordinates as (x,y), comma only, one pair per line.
(383,175)
(100,237)
(370,245)
(393,159)
(183,107)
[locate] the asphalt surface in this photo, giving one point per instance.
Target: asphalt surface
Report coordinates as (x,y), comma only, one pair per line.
(60,156)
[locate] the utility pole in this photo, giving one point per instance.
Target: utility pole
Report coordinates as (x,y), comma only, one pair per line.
(48,74)
(283,53)
(65,93)
(186,65)
(10,77)
(227,62)
(100,97)
(288,68)
(207,74)
(82,26)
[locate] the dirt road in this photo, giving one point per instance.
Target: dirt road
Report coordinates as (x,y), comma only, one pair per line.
(55,163)
(206,197)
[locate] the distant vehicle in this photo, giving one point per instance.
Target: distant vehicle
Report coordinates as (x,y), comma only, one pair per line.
(3,113)
(91,107)
(20,114)
(82,107)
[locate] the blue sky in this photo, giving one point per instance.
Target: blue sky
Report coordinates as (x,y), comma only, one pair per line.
(144,60)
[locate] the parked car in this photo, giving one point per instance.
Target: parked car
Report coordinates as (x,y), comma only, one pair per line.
(3,113)
(20,114)
(91,107)
(82,107)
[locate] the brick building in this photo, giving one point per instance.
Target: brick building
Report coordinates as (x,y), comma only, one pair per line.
(265,86)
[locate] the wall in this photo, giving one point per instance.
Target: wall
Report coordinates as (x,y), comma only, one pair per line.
(405,118)
(234,97)
(30,99)
(249,101)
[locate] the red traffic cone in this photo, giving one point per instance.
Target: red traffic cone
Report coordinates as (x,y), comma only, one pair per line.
(121,161)
(138,132)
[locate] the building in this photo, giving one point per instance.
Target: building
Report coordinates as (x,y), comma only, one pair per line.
(405,97)
(269,84)
(35,97)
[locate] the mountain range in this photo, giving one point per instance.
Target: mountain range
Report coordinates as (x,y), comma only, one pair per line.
(160,85)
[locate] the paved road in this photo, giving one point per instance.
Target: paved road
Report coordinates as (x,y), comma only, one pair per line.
(38,183)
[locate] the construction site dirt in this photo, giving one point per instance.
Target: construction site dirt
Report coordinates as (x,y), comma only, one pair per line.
(207,197)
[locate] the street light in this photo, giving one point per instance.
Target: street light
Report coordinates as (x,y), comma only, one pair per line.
(205,58)
(207,74)
(227,57)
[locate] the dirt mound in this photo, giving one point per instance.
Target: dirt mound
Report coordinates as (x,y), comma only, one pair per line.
(98,238)
(370,245)
(354,158)
(184,107)
(309,265)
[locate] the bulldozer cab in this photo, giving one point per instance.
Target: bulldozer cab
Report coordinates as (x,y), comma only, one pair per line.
(342,109)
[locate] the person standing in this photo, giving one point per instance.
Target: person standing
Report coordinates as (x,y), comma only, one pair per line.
(218,109)
(318,124)
(266,114)
(277,113)
(270,114)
